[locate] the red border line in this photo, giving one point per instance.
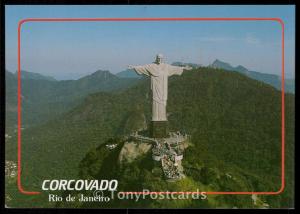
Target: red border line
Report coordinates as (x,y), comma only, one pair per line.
(21,189)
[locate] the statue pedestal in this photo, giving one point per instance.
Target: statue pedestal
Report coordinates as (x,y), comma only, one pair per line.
(159,129)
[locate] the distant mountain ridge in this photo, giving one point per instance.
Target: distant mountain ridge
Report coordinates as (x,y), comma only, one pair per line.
(128,73)
(270,79)
(182,64)
(34,76)
(102,74)
(44,97)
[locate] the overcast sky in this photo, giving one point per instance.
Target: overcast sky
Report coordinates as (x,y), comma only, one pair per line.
(67,50)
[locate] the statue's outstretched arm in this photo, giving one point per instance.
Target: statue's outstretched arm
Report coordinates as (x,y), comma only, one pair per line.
(140,69)
(177,70)
(187,68)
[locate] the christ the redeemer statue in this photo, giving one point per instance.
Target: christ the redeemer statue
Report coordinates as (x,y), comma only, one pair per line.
(159,73)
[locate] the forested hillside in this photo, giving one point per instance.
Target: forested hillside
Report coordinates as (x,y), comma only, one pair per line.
(234,123)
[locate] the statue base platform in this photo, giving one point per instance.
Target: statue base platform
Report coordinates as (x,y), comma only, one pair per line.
(159,129)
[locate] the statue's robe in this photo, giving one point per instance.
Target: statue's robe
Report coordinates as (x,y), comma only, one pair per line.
(159,74)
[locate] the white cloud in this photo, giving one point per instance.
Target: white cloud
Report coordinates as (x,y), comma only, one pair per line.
(216,39)
(251,39)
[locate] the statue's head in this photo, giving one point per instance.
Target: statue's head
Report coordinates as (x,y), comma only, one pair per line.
(159,58)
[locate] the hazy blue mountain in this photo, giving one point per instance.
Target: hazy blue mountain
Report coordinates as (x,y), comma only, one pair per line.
(270,79)
(290,85)
(128,73)
(34,76)
(182,64)
(223,65)
(43,99)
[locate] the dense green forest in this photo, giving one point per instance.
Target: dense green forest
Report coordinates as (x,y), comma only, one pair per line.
(234,121)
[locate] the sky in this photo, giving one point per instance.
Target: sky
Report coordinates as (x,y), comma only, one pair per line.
(70,50)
